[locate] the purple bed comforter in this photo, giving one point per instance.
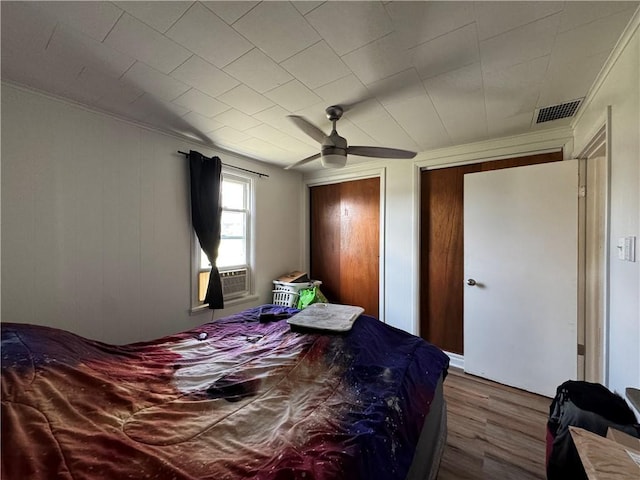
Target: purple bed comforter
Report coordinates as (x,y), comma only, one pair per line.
(251,400)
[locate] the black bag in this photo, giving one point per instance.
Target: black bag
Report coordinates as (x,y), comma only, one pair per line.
(586,405)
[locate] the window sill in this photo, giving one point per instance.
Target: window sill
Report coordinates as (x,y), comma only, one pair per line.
(228,303)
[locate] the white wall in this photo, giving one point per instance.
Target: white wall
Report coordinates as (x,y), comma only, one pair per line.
(96,232)
(620,88)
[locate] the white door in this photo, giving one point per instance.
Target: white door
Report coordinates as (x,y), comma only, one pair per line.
(521,251)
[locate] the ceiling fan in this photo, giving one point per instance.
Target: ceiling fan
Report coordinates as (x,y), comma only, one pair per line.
(334,148)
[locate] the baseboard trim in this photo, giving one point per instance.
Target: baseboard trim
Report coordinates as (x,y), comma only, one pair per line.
(456,360)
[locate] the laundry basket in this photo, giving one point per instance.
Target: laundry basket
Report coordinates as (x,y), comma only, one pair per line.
(284,298)
(286,294)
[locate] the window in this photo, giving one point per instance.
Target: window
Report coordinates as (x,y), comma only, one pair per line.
(233,255)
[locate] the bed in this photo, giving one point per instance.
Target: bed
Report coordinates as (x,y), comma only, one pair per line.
(245,396)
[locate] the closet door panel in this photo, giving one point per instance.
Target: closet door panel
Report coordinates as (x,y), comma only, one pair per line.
(345,242)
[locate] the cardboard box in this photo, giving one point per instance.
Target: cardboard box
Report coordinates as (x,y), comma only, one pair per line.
(293,277)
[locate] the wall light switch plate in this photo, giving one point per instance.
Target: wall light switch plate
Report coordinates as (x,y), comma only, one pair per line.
(627,248)
(630,249)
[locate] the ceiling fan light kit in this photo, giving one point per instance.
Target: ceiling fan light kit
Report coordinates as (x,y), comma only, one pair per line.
(332,160)
(334,148)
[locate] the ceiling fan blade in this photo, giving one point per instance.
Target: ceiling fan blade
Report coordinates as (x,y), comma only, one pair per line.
(309,128)
(303,161)
(380,152)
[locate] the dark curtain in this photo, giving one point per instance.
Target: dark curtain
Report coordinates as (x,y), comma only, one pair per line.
(206,212)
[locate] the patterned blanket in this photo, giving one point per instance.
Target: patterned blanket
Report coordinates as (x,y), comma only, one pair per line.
(241,397)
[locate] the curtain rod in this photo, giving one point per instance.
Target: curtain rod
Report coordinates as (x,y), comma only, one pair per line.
(186,154)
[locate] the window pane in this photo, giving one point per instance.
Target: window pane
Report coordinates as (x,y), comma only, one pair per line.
(204,261)
(233,195)
(234,234)
(232,252)
(233,224)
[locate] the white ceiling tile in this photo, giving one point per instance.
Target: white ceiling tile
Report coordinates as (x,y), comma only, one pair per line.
(569,81)
(401,86)
(276,116)
(418,22)
(277,29)
(463,80)
(205,77)
(15,37)
(159,15)
(40,71)
(499,105)
(419,119)
(316,66)
(276,137)
(82,91)
(237,119)
(293,96)
(246,100)
(267,133)
(346,90)
(122,107)
(157,108)
(598,36)
(379,59)
(69,43)
(458,98)
(305,6)
(202,32)
(228,135)
(514,90)
(503,126)
(230,12)
(518,76)
(576,14)
(202,123)
(447,52)
(154,82)
(145,44)
(258,71)
(377,123)
(494,18)
(367,110)
(519,45)
(94,19)
(264,149)
(201,103)
(107,87)
(347,26)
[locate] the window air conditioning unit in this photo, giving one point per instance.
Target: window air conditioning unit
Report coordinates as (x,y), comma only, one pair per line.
(235,283)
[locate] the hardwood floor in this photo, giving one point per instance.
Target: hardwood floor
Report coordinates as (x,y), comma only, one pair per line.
(494,432)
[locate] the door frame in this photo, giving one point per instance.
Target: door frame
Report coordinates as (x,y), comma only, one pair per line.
(596,323)
(342,177)
(560,139)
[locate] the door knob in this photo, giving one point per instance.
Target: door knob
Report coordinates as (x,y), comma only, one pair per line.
(471,282)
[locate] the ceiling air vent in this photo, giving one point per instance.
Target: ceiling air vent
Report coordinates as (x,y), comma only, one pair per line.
(556,112)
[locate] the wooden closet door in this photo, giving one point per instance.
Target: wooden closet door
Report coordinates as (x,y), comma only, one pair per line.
(441,248)
(345,242)
(441,256)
